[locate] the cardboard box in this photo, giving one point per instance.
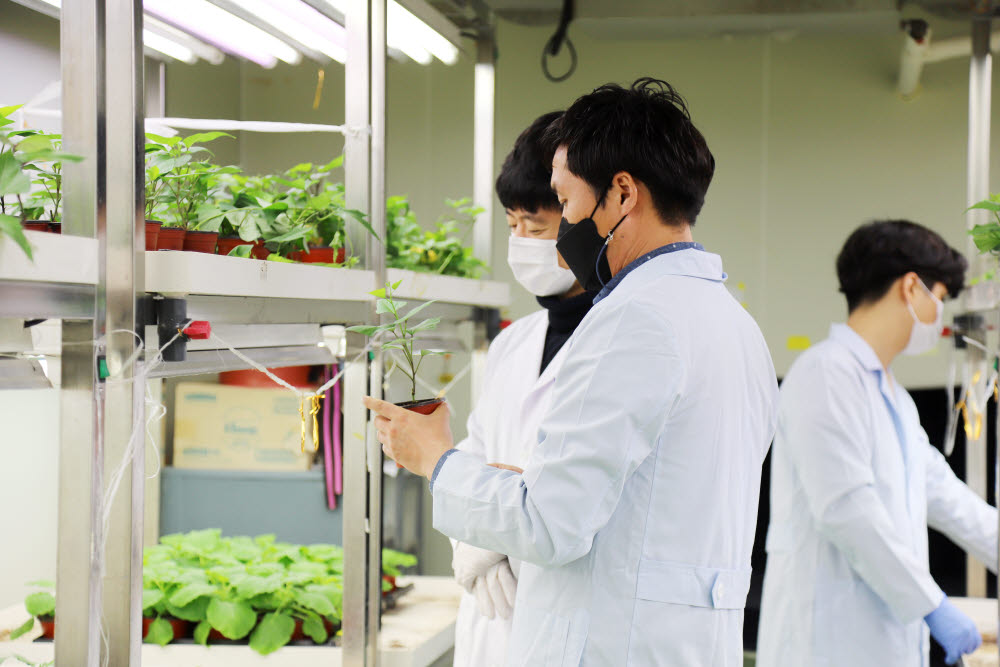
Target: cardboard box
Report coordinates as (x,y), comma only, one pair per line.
(239,428)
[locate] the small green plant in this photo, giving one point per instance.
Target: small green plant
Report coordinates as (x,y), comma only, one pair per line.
(403,333)
(987,237)
(181,184)
(38,604)
(441,250)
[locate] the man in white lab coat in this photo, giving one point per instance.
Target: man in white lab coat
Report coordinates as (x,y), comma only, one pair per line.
(855,482)
(635,513)
(520,371)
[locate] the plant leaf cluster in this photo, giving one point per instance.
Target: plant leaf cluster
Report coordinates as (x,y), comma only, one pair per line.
(442,249)
(30,177)
(402,329)
(241,587)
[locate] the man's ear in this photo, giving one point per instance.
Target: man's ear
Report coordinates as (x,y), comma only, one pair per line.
(627,190)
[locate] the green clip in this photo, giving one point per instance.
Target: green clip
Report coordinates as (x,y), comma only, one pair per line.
(371,355)
(102,369)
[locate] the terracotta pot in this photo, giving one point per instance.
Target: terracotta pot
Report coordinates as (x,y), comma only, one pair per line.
(424,407)
(259,251)
(48,624)
(171,238)
(180,628)
(36,225)
(297,376)
(227,243)
(201,242)
(152,234)
(317,255)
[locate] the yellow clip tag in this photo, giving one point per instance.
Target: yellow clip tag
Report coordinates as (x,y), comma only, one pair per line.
(314,402)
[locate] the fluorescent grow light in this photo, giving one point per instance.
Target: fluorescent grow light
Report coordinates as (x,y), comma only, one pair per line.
(168,48)
(224,30)
(302,24)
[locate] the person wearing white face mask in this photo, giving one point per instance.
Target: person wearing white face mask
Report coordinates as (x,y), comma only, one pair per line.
(521,366)
(855,482)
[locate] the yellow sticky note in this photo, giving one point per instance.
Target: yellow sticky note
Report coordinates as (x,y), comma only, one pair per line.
(799,343)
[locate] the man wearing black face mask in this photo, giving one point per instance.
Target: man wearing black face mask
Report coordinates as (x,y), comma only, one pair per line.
(636,511)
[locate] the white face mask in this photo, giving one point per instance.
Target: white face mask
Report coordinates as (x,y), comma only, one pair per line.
(535,264)
(924,336)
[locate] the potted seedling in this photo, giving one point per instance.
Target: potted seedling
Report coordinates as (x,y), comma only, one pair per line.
(185,184)
(40,605)
(399,337)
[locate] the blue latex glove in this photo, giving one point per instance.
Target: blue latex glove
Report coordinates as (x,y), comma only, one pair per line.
(953,630)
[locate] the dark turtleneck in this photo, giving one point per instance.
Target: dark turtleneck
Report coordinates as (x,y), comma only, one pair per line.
(564,316)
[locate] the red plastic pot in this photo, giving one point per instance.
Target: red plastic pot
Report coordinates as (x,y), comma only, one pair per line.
(36,225)
(319,255)
(227,243)
(152,234)
(171,238)
(180,628)
(424,407)
(259,251)
(48,624)
(201,242)
(297,376)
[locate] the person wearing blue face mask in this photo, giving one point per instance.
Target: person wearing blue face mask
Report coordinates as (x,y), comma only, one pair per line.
(521,367)
(855,482)
(635,512)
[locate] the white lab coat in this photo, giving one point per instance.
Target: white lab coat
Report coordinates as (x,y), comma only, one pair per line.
(854,485)
(502,429)
(636,511)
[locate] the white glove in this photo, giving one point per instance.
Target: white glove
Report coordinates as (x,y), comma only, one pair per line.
(495,591)
(470,562)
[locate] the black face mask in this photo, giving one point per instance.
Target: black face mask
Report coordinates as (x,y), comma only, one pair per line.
(583,249)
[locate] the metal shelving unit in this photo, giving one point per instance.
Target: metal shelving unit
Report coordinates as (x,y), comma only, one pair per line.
(97,279)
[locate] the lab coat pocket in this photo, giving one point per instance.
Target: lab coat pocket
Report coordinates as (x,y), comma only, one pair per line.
(547,640)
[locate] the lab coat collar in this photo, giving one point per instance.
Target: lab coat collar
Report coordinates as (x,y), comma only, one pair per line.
(858,346)
(680,259)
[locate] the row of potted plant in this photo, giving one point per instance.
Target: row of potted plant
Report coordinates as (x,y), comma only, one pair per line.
(210,588)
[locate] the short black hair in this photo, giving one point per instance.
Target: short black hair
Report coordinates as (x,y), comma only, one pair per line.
(645,130)
(524,180)
(878,253)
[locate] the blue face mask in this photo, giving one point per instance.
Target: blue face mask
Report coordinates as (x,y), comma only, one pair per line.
(583,249)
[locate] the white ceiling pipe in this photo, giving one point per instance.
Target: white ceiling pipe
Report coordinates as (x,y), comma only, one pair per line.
(919,49)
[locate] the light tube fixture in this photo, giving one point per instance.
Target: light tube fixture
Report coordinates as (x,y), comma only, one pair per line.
(200,48)
(168,47)
(224,30)
(301,23)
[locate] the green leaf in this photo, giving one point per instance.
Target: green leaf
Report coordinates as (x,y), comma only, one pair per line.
(26,628)
(13,181)
(185,595)
(416,310)
(40,604)
(315,601)
(364,330)
(426,325)
(388,306)
(274,631)
(987,205)
(395,285)
(244,251)
(253,586)
(380,293)
(313,628)
(160,632)
(201,633)
(234,620)
(193,611)
(204,137)
(151,597)
(11,226)
(275,257)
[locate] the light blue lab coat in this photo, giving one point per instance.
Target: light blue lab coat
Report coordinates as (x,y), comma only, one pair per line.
(854,485)
(636,511)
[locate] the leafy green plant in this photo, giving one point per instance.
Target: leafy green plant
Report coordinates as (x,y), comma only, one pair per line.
(402,331)
(181,184)
(38,604)
(22,153)
(440,250)
(987,237)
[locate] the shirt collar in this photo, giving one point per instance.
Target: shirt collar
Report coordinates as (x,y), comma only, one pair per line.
(858,346)
(635,264)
